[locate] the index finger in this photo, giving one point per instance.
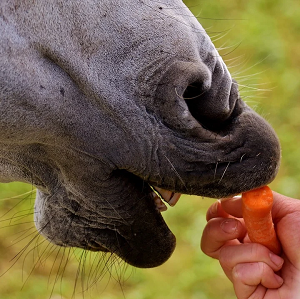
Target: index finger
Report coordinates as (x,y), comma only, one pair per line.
(225,208)
(215,211)
(232,206)
(219,232)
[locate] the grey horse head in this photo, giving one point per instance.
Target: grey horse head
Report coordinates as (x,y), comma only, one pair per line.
(102,100)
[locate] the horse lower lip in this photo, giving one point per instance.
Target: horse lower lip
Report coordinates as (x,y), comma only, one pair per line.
(160,206)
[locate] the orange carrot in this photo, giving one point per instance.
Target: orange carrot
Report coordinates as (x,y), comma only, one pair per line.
(257,206)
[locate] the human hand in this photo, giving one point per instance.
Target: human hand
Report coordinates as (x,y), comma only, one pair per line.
(253,269)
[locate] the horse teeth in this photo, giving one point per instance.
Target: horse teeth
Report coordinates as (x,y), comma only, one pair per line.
(174,199)
(168,196)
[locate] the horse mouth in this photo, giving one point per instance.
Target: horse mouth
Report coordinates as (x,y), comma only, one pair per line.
(122,214)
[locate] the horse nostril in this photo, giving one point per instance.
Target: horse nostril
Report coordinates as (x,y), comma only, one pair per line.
(192,96)
(213,106)
(208,92)
(194,91)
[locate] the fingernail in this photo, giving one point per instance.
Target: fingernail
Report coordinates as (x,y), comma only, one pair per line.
(229,226)
(277,260)
(236,197)
(279,279)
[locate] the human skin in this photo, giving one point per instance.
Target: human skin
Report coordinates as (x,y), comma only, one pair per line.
(253,269)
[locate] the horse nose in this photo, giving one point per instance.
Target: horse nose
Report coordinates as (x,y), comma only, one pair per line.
(214,105)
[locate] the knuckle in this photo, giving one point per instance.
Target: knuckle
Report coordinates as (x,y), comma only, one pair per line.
(237,272)
(205,244)
(258,251)
(261,268)
(223,256)
(212,211)
(250,273)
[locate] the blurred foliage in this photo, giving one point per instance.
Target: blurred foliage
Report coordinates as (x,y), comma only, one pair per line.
(259,41)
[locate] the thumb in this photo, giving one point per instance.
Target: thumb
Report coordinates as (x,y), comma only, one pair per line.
(283,206)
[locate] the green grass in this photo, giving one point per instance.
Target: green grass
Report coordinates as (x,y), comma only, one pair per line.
(263,36)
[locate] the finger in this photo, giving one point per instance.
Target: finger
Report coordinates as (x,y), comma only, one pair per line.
(286,213)
(215,211)
(220,231)
(283,205)
(248,277)
(232,206)
(231,256)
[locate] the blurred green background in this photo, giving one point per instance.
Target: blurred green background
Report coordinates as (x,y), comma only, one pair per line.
(260,42)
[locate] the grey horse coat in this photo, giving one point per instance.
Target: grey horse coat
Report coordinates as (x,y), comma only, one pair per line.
(99,100)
